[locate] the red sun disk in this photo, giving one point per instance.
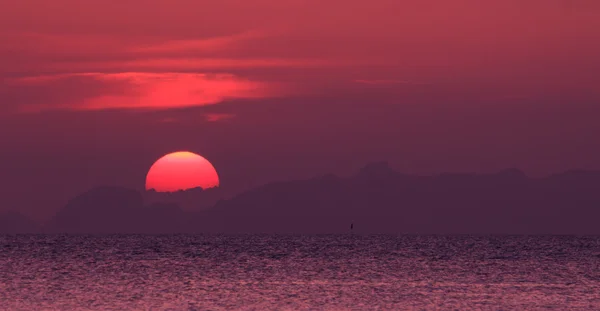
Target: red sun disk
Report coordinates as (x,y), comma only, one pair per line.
(180,171)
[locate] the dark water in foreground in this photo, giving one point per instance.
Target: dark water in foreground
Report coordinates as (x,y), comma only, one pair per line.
(330,272)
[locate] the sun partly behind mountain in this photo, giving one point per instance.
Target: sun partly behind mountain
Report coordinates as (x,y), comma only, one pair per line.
(181,170)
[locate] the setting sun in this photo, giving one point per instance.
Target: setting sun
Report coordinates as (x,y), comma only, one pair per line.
(180,171)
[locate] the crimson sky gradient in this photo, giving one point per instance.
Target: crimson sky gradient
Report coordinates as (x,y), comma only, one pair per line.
(92,92)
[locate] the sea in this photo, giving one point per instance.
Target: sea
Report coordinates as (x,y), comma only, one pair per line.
(299,272)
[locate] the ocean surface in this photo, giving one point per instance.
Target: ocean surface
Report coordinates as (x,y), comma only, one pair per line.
(294,272)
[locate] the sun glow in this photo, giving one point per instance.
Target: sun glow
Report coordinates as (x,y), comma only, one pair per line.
(180,171)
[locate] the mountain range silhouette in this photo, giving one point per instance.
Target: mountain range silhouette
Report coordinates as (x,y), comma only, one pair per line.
(376,199)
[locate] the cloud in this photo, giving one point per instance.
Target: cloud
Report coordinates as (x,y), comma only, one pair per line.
(98,47)
(32,53)
(218,43)
(132,90)
(187,64)
(214,117)
(29,94)
(313,46)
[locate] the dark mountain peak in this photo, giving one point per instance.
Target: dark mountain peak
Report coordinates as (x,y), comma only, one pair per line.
(576,178)
(512,172)
(189,191)
(381,200)
(177,192)
(508,176)
(98,210)
(376,170)
(117,210)
(189,199)
(327,178)
(376,199)
(577,174)
(164,206)
(505,175)
(160,212)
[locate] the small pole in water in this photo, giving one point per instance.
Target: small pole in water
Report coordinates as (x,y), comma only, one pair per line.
(351,227)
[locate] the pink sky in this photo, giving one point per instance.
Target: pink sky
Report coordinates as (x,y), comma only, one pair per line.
(513,47)
(271,89)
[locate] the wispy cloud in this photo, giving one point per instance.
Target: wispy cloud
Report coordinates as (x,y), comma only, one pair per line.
(214,117)
(198,44)
(141,90)
(31,53)
(60,43)
(76,43)
(317,48)
(188,64)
